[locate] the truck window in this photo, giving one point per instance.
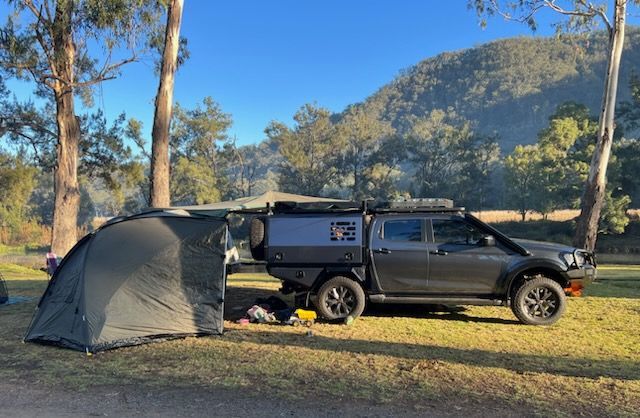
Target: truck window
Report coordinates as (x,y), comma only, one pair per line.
(447,231)
(403,230)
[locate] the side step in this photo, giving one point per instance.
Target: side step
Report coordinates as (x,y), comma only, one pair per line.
(436,300)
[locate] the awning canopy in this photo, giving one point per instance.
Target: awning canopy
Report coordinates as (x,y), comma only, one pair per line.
(251,202)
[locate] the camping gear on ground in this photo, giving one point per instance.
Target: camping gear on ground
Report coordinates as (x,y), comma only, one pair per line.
(260,315)
(156,275)
(4,293)
(302,317)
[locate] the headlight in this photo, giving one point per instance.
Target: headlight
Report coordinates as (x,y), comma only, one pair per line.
(568,258)
(581,258)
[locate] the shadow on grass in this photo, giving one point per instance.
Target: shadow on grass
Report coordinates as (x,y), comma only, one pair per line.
(519,363)
(440,312)
(239,299)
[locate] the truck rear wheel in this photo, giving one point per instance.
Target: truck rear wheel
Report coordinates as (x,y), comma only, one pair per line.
(340,297)
(540,301)
(256,238)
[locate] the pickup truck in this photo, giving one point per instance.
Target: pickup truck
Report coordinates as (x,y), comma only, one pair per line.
(422,251)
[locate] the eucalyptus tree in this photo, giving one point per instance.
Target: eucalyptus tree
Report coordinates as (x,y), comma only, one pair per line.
(160,172)
(67,47)
(310,150)
(363,135)
(199,168)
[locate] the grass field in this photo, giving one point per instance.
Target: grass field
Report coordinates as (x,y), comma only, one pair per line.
(588,363)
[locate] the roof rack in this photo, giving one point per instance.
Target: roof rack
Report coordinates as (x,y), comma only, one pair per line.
(417,205)
(396,206)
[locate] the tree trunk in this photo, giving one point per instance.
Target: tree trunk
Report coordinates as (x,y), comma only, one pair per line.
(66,190)
(67,193)
(159,192)
(593,197)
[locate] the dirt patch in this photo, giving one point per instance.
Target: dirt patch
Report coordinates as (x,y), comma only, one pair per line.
(18,400)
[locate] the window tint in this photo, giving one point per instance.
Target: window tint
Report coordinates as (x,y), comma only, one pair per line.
(405,230)
(455,232)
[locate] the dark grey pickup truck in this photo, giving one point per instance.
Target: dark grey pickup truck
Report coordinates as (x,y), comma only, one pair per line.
(423,251)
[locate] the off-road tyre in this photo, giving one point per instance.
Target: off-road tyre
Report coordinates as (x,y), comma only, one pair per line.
(256,238)
(340,297)
(539,301)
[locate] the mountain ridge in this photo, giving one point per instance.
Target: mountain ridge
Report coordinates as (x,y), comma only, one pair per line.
(507,87)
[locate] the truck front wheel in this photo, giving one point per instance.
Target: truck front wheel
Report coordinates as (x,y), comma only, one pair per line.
(340,297)
(540,301)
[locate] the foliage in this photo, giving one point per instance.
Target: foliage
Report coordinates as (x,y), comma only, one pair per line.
(252,169)
(548,175)
(310,151)
(520,177)
(386,171)
(199,135)
(33,32)
(18,180)
(623,176)
(450,159)
(629,111)
(363,133)
(614,217)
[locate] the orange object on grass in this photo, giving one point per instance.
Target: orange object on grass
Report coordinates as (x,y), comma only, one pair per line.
(575,289)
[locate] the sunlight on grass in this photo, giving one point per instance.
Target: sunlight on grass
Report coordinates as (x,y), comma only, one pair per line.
(13,271)
(588,361)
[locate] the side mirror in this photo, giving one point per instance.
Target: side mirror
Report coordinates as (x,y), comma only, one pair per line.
(488,241)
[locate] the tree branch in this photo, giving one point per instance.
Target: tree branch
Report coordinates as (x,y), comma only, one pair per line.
(103,74)
(590,11)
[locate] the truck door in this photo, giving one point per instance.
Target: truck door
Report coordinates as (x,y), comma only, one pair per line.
(399,254)
(458,261)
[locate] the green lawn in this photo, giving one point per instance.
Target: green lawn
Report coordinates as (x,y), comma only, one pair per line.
(588,363)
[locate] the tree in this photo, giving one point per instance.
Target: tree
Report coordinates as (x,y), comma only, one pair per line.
(310,151)
(546,176)
(199,171)
(18,181)
(565,147)
(520,177)
(51,48)
(581,16)
(363,134)
(479,157)
(159,193)
(630,110)
(432,146)
(103,155)
(385,172)
(624,172)
(251,168)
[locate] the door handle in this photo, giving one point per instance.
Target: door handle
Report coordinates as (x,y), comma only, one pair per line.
(382,251)
(438,252)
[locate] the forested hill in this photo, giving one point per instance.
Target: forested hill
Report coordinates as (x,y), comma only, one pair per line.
(508,87)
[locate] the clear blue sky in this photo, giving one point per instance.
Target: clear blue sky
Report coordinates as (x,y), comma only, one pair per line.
(261,60)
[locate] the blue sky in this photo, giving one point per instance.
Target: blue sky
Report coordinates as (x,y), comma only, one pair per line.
(261,60)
